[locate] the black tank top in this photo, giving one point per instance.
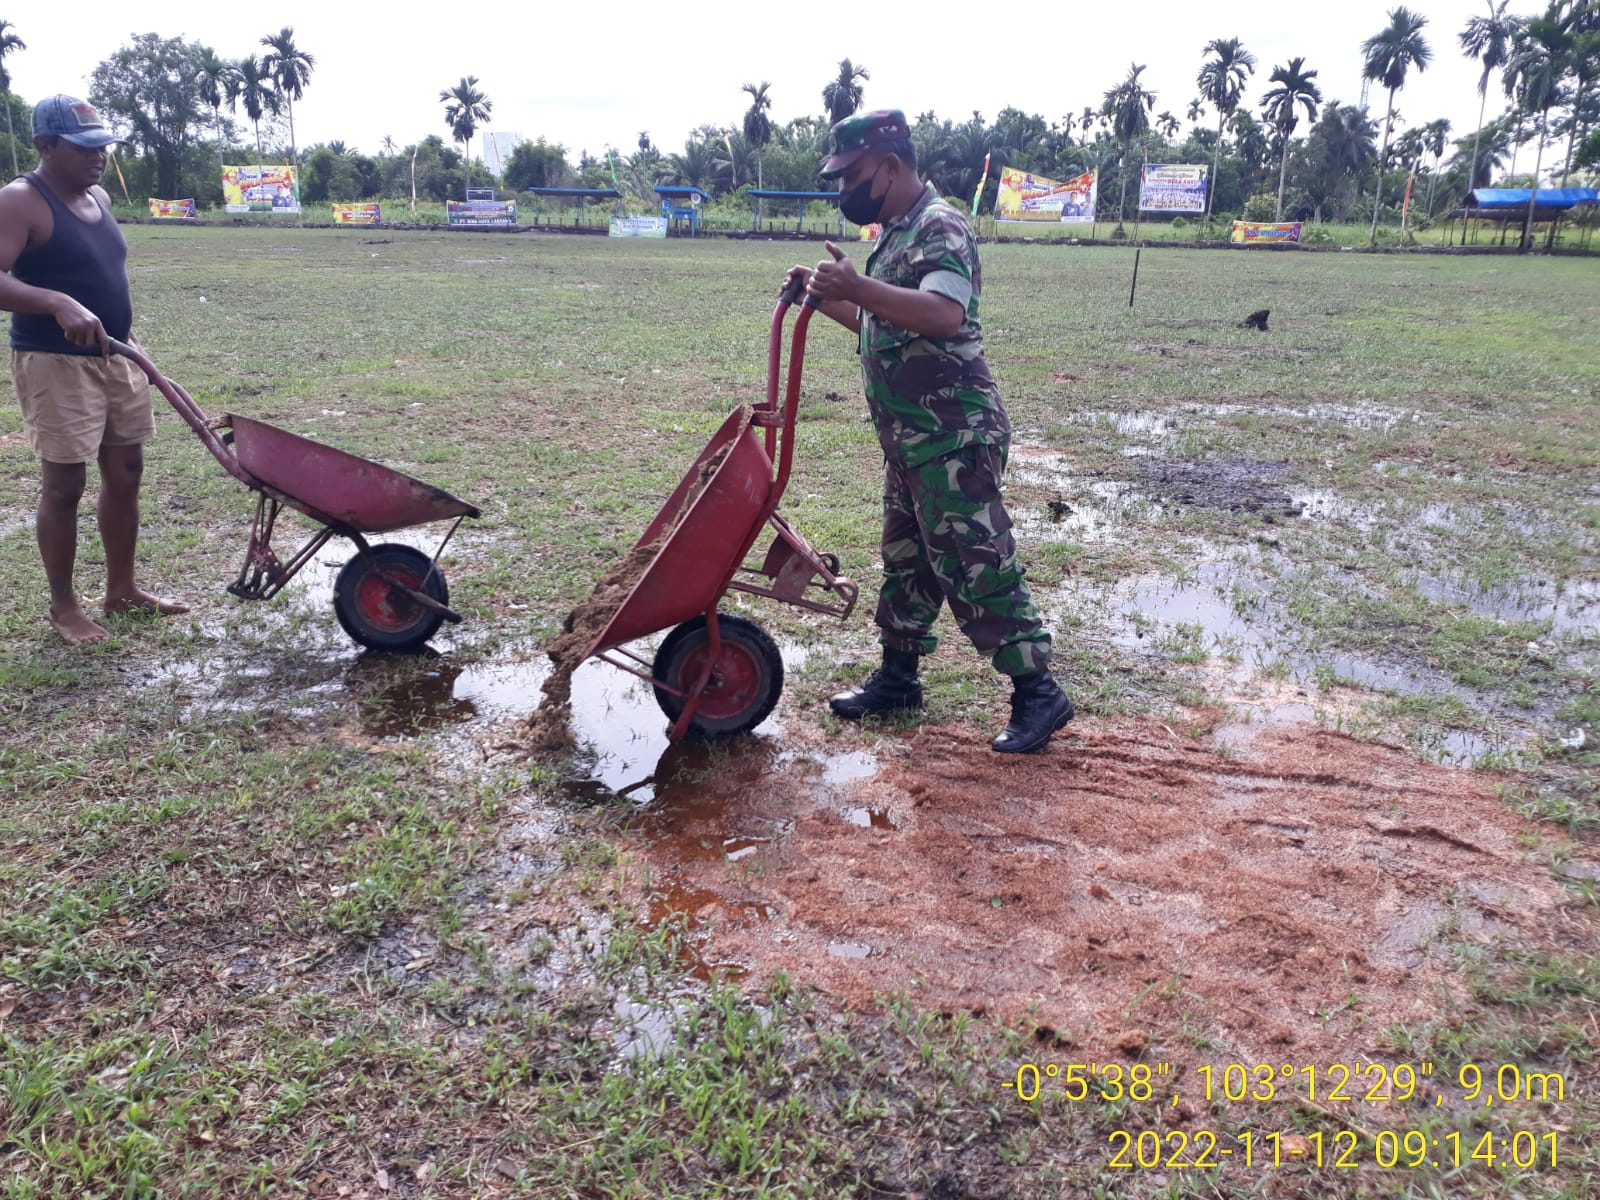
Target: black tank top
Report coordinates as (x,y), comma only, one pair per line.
(87,262)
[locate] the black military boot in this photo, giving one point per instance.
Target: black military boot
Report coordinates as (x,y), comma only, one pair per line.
(1038,708)
(892,686)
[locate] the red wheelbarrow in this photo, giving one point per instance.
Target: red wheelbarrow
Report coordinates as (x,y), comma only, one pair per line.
(717,674)
(389,596)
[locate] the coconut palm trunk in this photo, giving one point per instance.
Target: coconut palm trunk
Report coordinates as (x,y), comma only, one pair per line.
(1383,157)
(1283,169)
(1580,130)
(1533,184)
(1216,158)
(12,136)
(1472,167)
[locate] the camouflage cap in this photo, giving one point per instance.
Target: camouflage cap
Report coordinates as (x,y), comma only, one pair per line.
(856,134)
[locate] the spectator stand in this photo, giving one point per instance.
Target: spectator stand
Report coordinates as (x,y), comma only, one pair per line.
(758,195)
(682,204)
(564,195)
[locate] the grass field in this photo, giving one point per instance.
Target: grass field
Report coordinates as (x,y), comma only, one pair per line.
(250,945)
(781,218)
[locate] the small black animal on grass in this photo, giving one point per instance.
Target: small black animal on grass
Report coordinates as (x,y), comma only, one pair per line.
(1256,320)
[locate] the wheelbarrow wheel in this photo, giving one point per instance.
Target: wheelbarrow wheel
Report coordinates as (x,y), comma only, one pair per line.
(746,678)
(379,615)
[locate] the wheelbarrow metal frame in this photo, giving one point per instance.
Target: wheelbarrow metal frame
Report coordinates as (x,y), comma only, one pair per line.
(264,574)
(791,570)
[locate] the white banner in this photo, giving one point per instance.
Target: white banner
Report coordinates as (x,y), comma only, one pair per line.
(639,227)
(1167,188)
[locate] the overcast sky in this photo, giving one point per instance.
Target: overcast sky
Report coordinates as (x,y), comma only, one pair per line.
(587,74)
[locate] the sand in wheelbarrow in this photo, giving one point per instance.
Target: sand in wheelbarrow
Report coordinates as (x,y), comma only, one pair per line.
(549,728)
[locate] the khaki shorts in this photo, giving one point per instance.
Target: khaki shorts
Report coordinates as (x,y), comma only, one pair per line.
(73,404)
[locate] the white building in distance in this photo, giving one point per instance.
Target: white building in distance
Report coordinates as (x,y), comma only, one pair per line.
(497,148)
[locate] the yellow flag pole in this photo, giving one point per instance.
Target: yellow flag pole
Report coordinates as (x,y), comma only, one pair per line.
(120,179)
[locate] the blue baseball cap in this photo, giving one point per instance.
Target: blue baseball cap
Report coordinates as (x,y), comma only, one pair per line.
(73,120)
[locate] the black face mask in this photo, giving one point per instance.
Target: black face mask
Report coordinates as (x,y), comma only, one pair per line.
(859,205)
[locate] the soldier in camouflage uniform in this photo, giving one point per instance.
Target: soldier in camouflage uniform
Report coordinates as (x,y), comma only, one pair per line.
(944,432)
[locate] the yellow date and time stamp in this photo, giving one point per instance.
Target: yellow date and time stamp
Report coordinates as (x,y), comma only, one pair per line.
(1266,1083)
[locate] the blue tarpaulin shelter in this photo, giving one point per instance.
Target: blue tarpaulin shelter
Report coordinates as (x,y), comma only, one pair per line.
(1558,198)
(1507,207)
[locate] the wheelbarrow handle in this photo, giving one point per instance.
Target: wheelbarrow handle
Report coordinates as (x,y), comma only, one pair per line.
(793,289)
(186,408)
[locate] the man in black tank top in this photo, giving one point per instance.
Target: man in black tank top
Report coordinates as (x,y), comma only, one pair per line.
(64,279)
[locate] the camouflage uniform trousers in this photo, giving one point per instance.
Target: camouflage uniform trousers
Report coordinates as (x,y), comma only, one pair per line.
(947,537)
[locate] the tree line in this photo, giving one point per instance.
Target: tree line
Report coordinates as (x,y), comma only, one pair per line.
(179,103)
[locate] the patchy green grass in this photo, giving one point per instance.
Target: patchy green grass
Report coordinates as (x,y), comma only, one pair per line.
(248,947)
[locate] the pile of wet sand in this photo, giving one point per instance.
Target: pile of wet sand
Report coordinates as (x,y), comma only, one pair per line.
(549,727)
(1129,880)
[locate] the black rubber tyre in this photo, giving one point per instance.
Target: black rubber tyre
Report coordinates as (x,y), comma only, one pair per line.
(746,680)
(379,615)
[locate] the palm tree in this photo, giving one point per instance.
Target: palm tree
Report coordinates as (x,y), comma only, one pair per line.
(387,146)
(757,125)
(1197,109)
(214,77)
(842,96)
(9,43)
(465,108)
(1221,81)
(1389,55)
(1249,139)
(1540,59)
(1586,69)
(1282,104)
(290,68)
(1168,125)
(252,83)
(1127,106)
(1435,136)
(1488,40)
(695,167)
(1342,148)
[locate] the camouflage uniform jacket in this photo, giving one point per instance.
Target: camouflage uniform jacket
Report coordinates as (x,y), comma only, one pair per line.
(930,396)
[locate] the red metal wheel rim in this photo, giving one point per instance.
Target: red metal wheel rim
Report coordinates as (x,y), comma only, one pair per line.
(735,683)
(377,601)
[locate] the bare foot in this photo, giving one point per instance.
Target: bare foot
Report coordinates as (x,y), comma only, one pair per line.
(140,600)
(75,628)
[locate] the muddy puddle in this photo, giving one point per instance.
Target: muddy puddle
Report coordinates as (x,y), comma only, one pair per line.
(1157,432)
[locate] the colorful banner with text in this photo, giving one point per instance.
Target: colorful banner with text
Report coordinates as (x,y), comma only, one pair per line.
(264,189)
(1025,197)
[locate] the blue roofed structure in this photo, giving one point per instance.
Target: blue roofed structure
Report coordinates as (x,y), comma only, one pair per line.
(1554,198)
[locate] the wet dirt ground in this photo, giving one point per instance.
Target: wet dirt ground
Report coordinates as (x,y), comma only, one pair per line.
(1292,893)
(1252,882)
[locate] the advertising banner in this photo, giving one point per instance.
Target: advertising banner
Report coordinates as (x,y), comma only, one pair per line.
(639,227)
(487,213)
(358,214)
(1265,231)
(1168,188)
(1025,197)
(869,233)
(171,210)
(264,189)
